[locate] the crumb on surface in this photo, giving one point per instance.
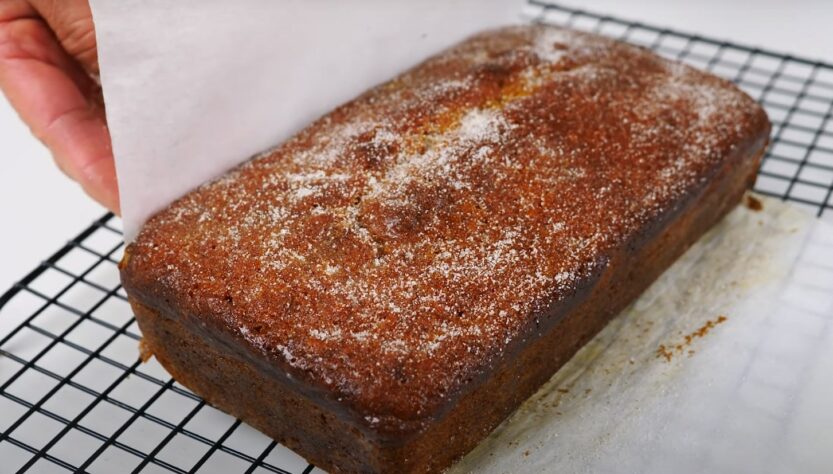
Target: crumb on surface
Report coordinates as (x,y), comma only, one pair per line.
(754,203)
(145,352)
(667,352)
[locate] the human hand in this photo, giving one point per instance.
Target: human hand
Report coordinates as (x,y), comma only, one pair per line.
(48,71)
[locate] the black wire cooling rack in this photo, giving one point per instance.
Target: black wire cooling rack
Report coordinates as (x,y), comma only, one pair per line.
(74,397)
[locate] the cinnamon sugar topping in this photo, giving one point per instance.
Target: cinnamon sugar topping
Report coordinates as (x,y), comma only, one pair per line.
(413,236)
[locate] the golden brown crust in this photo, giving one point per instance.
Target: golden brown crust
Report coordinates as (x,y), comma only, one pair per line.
(401,255)
(322,434)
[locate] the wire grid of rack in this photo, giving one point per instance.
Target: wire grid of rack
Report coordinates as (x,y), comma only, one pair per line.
(74,397)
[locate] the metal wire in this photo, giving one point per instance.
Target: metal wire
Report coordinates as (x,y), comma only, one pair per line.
(74,397)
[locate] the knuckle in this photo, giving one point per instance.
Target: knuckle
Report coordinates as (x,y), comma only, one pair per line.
(78,39)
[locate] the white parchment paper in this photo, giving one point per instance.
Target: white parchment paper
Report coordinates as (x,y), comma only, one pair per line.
(750,394)
(193,87)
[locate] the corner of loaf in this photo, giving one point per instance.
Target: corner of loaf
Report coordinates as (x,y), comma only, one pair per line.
(384,288)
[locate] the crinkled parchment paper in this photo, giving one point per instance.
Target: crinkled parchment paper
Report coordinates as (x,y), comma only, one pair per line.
(724,365)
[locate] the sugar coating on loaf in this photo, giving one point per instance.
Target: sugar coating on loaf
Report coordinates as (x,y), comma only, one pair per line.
(391,252)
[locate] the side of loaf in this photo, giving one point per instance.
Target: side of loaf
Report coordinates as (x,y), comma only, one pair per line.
(383,289)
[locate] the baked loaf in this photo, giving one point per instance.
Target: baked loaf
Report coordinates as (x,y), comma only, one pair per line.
(382,290)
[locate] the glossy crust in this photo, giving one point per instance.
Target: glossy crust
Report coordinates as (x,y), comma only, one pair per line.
(383,289)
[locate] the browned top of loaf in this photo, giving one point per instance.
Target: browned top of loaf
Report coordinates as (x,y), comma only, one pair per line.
(395,249)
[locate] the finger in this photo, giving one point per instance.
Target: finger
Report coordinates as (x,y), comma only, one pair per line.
(34,74)
(72,23)
(11,10)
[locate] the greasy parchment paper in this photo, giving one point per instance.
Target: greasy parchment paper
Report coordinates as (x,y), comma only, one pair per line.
(749,393)
(194,87)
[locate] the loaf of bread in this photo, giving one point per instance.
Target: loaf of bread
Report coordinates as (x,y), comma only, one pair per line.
(379,292)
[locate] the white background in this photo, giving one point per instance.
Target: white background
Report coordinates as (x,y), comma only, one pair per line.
(40,209)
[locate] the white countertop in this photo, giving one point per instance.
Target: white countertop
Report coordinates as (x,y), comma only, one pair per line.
(40,209)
